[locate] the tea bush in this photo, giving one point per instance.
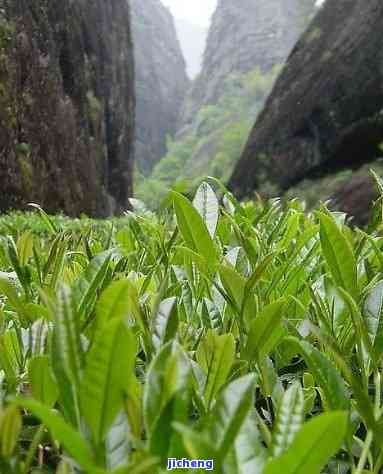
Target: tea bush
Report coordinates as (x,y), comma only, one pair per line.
(250,334)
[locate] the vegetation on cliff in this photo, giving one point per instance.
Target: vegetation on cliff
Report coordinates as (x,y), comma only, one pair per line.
(214,143)
(247,44)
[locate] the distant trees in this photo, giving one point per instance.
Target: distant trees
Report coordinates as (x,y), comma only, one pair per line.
(217,138)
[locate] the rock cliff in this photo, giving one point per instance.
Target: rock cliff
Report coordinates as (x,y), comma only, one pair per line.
(66,105)
(325,112)
(161,79)
(248,41)
(245,34)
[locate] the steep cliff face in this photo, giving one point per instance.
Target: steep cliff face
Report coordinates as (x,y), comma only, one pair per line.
(247,43)
(66,105)
(325,112)
(161,79)
(245,34)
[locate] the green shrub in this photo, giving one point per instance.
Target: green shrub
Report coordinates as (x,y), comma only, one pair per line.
(249,334)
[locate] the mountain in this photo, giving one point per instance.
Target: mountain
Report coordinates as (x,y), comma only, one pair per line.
(66,105)
(247,44)
(161,80)
(245,34)
(193,42)
(324,115)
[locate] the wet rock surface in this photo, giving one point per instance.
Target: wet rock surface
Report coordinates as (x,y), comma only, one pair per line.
(66,105)
(325,112)
(245,34)
(161,79)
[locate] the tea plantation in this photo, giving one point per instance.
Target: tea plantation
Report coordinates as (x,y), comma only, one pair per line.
(249,334)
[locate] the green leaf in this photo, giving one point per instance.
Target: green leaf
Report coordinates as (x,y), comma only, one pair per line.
(143,465)
(66,336)
(238,294)
(71,439)
(378,181)
(373,316)
(325,374)
(119,300)
(215,355)
(270,384)
(258,273)
(64,468)
(292,228)
(133,408)
(11,358)
(10,428)
(198,445)
(289,419)
(184,257)
(193,228)
(56,261)
(339,255)
(211,315)
(108,371)
(265,330)
(43,385)
(234,285)
(309,392)
(248,454)
(117,444)
(230,412)
(168,373)
(314,444)
(86,287)
(67,353)
(166,398)
(45,218)
(206,203)
(165,322)
(7,288)
(359,323)
(25,247)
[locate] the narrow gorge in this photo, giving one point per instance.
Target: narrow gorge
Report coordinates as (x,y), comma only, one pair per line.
(247,45)
(245,35)
(161,80)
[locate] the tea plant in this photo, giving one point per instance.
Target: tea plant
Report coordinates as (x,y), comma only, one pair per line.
(250,334)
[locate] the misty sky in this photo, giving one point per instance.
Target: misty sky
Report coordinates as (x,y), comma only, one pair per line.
(196,11)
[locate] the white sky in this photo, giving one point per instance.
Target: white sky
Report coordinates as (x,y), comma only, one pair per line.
(196,11)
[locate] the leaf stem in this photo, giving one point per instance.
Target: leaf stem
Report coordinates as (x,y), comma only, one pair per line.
(363,457)
(33,448)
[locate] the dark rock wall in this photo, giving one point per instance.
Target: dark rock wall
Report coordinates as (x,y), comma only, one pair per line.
(325,112)
(245,34)
(66,105)
(161,79)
